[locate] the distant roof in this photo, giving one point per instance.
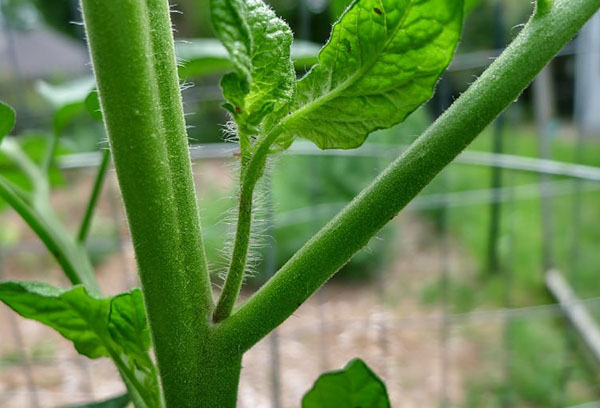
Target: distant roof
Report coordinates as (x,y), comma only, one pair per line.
(42,52)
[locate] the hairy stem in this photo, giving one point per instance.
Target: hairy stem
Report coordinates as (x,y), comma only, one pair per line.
(84,229)
(132,51)
(235,273)
(350,230)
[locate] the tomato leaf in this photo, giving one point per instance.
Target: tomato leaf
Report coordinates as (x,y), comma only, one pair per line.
(73,313)
(7,119)
(354,386)
(259,44)
(383,60)
(128,326)
(98,327)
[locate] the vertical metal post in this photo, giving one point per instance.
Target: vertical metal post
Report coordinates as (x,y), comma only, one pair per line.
(444,100)
(506,400)
(271,268)
(588,56)
(495,207)
(543,106)
(315,192)
(304,20)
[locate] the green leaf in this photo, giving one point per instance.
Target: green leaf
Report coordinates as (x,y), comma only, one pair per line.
(259,47)
(120,401)
(92,105)
(383,60)
(7,119)
(73,313)
(128,326)
(354,386)
(98,327)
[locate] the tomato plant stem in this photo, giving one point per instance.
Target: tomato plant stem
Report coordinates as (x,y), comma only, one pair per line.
(321,257)
(235,273)
(132,51)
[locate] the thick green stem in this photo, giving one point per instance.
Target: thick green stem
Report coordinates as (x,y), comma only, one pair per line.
(86,223)
(133,58)
(341,238)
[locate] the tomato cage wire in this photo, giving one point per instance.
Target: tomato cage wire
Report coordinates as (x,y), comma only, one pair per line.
(556,179)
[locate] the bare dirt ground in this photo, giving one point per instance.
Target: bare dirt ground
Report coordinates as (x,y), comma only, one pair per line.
(383,321)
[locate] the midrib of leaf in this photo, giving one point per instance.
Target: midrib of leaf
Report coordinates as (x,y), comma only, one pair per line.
(317,102)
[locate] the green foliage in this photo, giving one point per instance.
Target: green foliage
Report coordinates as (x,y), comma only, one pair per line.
(67,99)
(384,75)
(7,120)
(92,105)
(382,62)
(128,327)
(354,386)
(98,327)
(259,45)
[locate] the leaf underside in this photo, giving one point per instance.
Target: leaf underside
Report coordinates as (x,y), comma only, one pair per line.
(382,62)
(354,386)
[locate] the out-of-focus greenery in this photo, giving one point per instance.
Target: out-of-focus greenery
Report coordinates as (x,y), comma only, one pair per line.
(544,365)
(61,15)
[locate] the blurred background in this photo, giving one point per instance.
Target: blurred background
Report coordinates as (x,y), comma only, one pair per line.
(484,292)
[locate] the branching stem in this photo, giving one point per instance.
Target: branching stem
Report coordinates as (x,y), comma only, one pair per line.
(340,239)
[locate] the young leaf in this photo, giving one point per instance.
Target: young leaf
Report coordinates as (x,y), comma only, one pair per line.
(7,119)
(259,46)
(120,401)
(354,386)
(383,60)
